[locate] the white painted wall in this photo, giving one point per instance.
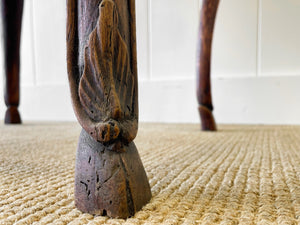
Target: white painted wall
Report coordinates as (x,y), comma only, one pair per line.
(255,62)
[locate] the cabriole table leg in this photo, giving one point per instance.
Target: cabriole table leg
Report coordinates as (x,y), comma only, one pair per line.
(207,21)
(101,50)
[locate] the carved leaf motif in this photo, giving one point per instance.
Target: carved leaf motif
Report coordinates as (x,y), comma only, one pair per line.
(106,87)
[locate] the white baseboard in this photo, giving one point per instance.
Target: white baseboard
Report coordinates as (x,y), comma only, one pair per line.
(262,100)
(266,100)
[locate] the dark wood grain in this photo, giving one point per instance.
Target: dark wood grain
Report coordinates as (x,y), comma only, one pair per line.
(207,21)
(101,64)
(102,71)
(106,88)
(12,11)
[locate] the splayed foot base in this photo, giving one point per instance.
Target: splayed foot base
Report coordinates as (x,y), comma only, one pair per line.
(207,119)
(109,183)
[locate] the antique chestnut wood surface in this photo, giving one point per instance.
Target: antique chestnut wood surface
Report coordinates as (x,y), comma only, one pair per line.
(12,19)
(207,21)
(102,70)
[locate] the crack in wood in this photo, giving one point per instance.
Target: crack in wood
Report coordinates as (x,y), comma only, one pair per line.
(85,184)
(130,202)
(107,179)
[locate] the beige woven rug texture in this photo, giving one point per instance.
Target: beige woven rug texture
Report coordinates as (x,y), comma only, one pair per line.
(241,174)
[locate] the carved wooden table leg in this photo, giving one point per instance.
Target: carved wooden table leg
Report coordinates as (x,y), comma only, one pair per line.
(102,69)
(207,21)
(12,20)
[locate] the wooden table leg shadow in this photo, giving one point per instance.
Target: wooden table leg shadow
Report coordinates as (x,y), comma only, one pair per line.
(102,69)
(207,21)
(12,11)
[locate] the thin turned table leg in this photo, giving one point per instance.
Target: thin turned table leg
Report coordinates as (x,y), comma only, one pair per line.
(207,21)
(12,11)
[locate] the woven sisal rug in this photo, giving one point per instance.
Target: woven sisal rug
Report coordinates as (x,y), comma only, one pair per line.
(241,174)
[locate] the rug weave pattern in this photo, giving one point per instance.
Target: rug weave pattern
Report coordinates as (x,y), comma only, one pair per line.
(241,174)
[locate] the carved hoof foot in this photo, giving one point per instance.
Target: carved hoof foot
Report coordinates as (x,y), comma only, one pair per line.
(207,119)
(108,131)
(107,182)
(12,116)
